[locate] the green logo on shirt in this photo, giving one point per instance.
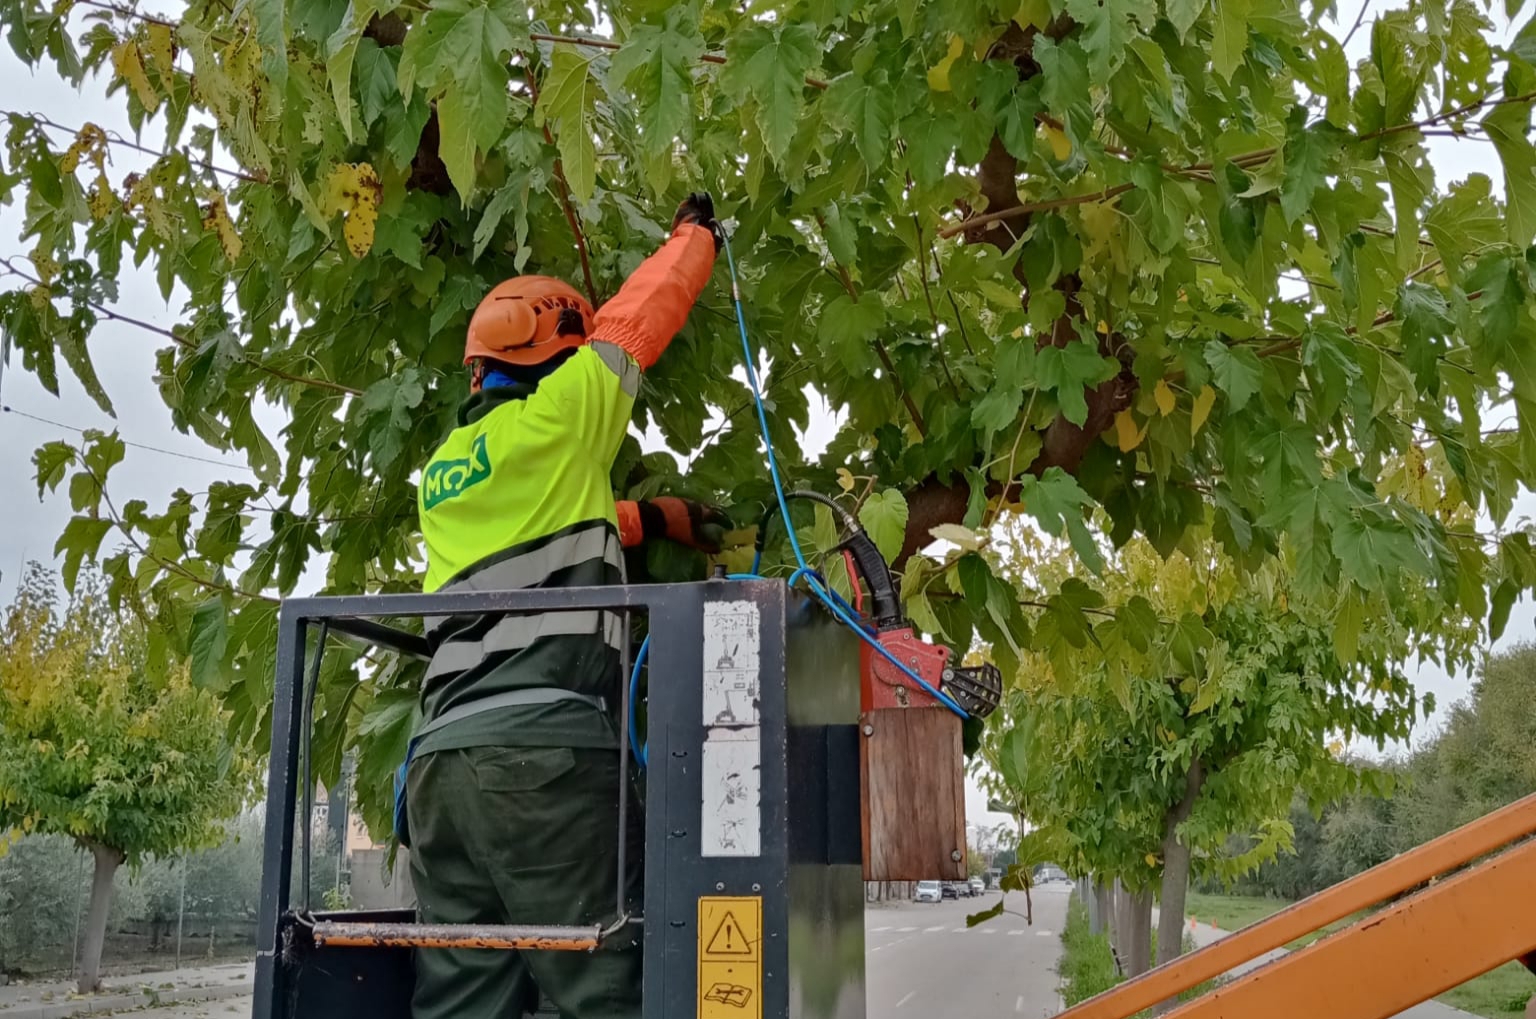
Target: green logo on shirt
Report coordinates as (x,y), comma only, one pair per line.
(444,479)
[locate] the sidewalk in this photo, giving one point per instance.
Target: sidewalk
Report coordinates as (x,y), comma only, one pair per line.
(1204,934)
(57,999)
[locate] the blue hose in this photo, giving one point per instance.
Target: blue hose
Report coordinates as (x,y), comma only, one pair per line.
(817,585)
(635,745)
(825,594)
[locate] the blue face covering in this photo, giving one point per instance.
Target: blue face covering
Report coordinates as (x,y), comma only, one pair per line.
(494,379)
(505,376)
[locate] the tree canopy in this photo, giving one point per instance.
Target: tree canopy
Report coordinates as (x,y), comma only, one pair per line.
(94,747)
(1180,262)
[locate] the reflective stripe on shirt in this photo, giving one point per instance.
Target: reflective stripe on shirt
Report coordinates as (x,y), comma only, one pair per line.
(514,633)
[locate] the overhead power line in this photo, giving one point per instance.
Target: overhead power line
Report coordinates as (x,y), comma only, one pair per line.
(136,445)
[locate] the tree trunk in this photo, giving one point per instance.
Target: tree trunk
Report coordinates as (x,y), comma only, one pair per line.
(107,862)
(1104,895)
(1120,926)
(1139,935)
(1176,856)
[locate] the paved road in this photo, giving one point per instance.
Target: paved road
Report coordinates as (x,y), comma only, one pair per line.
(923,961)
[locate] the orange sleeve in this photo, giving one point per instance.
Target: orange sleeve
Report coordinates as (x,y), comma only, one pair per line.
(631,532)
(654,302)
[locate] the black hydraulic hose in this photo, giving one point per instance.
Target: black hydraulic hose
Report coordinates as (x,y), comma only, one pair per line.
(885,608)
(849,522)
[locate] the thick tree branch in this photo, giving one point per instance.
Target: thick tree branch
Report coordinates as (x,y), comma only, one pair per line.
(609,44)
(1244,160)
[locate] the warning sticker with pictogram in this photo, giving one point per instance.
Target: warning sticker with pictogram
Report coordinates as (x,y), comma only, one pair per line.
(730,957)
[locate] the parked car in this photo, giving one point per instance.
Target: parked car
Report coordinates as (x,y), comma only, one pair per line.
(952,890)
(977,886)
(928,891)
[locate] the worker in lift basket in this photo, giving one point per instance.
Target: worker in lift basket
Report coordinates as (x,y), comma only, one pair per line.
(512,781)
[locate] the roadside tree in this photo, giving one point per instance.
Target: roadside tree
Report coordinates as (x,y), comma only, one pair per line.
(95,748)
(1184,263)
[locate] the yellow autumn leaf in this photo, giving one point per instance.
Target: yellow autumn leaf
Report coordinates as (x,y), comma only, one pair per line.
(354,190)
(130,67)
(1126,434)
(1163,394)
(938,74)
(101,199)
(1061,145)
(1151,859)
(1204,401)
(160,47)
(216,218)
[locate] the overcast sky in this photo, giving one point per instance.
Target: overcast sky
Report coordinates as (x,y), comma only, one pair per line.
(124,358)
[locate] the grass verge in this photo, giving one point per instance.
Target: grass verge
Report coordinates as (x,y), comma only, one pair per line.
(1087,965)
(1234,912)
(1500,994)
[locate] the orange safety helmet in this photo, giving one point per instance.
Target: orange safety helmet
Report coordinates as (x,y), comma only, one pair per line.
(519,321)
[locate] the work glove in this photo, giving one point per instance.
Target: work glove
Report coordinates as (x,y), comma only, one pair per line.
(684,521)
(699,209)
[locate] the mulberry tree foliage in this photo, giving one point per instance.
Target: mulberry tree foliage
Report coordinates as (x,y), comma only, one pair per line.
(1182,262)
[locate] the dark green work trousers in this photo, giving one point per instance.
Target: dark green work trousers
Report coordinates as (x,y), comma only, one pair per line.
(522,835)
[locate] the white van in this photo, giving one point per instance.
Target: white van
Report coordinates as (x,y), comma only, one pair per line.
(928,891)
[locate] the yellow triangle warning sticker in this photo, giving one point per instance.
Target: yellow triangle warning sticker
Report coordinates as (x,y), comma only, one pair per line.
(729,939)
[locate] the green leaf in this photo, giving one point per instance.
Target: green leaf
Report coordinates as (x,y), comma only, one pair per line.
(976,919)
(863,107)
(1464,221)
(1503,600)
(207,643)
(1071,370)
(340,53)
(768,64)
(270,18)
(1231,36)
(1058,502)
(502,202)
(884,517)
(849,327)
(1183,14)
(80,541)
(657,64)
(378,80)
(459,54)
(1308,153)
(51,459)
(1236,371)
(1348,621)
(1508,126)
(1107,26)
(1412,181)
(566,104)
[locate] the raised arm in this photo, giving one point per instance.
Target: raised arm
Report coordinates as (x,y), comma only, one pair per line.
(653,304)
